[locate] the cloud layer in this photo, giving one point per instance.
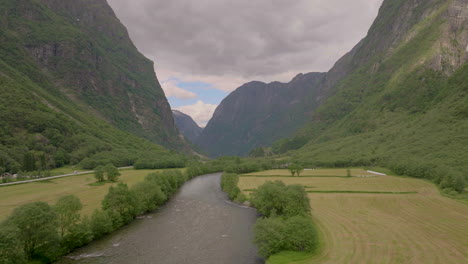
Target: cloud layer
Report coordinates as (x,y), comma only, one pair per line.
(226,43)
(200,112)
(171,89)
(245,39)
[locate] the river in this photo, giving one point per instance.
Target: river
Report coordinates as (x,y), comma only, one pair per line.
(197,226)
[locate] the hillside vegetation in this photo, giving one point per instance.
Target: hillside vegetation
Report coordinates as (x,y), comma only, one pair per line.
(404,104)
(74,89)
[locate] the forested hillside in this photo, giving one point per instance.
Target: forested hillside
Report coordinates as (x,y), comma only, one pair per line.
(404,104)
(74,89)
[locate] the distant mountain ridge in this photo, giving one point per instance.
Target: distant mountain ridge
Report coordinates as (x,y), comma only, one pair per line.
(257,114)
(189,128)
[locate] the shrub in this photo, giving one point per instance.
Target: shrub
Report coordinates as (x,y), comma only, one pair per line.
(101,223)
(99,173)
(11,248)
(276,234)
(229,185)
(277,198)
(149,195)
(112,172)
(121,204)
(78,235)
(37,225)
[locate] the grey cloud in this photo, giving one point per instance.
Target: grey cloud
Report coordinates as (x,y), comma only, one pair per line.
(246,37)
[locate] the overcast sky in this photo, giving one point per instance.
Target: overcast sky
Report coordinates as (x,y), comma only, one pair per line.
(204,49)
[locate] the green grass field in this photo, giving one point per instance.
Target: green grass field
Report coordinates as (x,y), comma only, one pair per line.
(419,227)
(51,190)
(313,173)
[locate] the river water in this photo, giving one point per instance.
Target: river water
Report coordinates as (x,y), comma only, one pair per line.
(197,226)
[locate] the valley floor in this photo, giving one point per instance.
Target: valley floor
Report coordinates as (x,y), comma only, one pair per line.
(398,220)
(83,186)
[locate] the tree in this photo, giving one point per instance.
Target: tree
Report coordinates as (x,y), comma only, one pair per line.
(292,169)
(11,249)
(257,152)
(99,173)
(29,162)
(454,181)
(295,169)
(42,162)
(269,236)
(68,212)
(149,195)
(275,234)
(299,169)
(121,203)
(277,198)
(101,223)
(112,172)
(78,235)
(37,225)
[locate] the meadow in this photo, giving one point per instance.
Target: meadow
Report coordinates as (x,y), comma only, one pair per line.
(83,186)
(383,219)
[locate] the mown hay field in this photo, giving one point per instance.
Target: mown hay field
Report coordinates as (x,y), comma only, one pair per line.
(51,190)
(421,227)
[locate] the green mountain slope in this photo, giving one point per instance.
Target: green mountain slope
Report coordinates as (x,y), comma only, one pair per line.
(71,83)
(404,104)
(86,53)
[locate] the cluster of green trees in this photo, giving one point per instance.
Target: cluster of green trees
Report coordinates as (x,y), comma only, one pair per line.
(40,232)
(245,165)
(165,162)
(230,165)
(295,169)
(286,224)
(447,178)
(109,172)
(229,185)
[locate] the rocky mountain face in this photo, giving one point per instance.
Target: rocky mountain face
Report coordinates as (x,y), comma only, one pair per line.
(82,46)
(75,90)
(401,97)
(257,114)
(189,129)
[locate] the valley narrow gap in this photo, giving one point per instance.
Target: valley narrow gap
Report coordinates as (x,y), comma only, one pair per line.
(199,225)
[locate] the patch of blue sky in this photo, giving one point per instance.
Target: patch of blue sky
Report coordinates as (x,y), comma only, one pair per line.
(204,91)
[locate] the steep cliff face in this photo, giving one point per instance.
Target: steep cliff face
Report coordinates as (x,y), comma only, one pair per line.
(189,129)
(256,114)
(87,52)
(401,100)
(74,89)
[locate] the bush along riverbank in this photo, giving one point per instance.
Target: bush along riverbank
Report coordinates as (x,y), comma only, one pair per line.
(285,224)
(40,233)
